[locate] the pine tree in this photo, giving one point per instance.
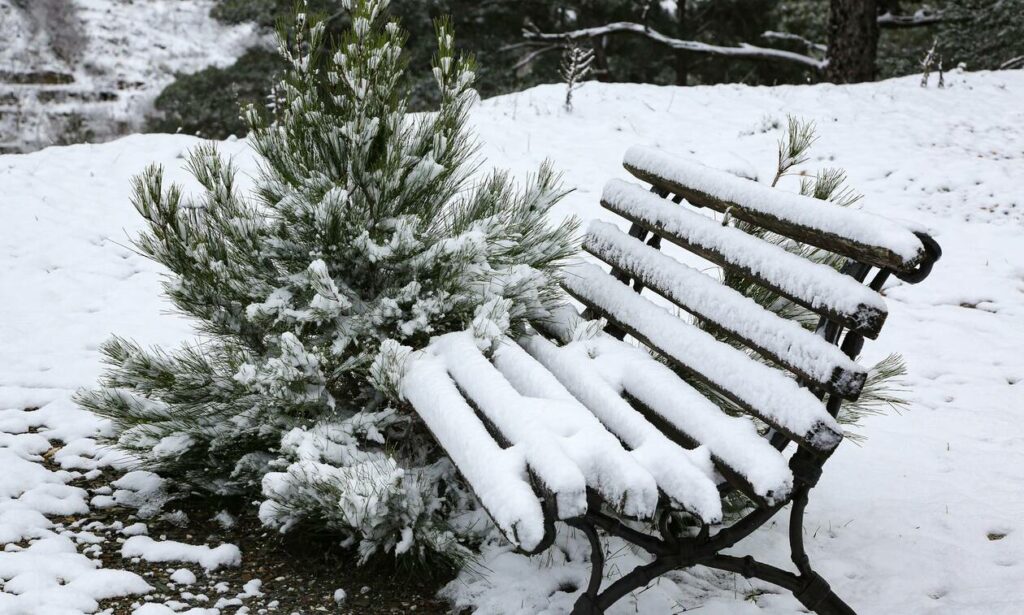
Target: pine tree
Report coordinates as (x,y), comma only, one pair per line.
(366,229)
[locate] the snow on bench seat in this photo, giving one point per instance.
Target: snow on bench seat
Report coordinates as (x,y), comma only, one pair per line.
(860,235)
(815,286)
(806,354)
(549,437)
(764,392)
(498,476)
(598,371)
(565,446)
(684,475)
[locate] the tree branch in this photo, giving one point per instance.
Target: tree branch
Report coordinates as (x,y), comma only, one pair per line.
(788,36)
(918,19)
(744,50)
(1017,62)
(533,55)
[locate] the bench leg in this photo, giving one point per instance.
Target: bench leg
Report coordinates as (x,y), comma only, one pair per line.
(806,585)
(833,605)
(815,594)
(587,602)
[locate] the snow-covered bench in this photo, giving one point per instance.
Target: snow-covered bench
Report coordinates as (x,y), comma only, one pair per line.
(573,424)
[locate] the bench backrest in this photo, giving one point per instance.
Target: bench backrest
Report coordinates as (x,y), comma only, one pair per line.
(841,299)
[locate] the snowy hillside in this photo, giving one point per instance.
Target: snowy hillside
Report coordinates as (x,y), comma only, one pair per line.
(102,60)
(924,517)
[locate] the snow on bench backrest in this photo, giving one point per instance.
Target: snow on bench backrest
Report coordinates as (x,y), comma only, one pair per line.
(814,286)
(867,238)
(760,390)
(821,364)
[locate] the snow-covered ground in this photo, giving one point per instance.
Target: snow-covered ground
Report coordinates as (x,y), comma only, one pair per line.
(924,517)
(129,52)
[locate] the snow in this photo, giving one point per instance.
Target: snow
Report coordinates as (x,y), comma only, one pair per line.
(172,551)
(819,287)
(900,524)
(796,209)
(620,367)
(498,475)
(548,432)
(132,51)
(49,576)
(711,300)
(685,476)
(564,445)
(775,397)
(183,576)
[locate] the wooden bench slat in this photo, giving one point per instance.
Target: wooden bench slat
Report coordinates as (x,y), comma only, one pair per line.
(822,365)
(682,474)
(497,476)
(815,286)
(859,235)
(745,458)
(565,446)
(741,455)
(760,390)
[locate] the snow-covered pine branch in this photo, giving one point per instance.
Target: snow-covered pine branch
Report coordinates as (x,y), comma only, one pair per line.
(743,50)
(576,65)
(789,36)
(918,19)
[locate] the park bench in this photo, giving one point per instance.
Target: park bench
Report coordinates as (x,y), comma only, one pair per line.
(573,424)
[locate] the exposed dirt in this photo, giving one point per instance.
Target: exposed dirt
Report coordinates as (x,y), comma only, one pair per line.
(298,574)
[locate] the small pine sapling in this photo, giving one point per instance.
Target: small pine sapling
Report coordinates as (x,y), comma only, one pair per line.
(367,229)
(576,67)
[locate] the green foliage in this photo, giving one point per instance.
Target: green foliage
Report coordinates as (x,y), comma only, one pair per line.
(366,231)
(983,34)
(883,387)
(206,103)
(263,12)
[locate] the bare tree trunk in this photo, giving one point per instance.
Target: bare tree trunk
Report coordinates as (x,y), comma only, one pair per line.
(682,57)
(853,41)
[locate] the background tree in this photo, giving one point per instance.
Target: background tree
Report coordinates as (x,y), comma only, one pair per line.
(852,41)
(678,42)
(983,34)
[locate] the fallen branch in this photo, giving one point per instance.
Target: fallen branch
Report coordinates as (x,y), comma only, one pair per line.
(743,50)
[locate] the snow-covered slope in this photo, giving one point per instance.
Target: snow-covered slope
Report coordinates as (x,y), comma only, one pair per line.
(924,517)
(117,57)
